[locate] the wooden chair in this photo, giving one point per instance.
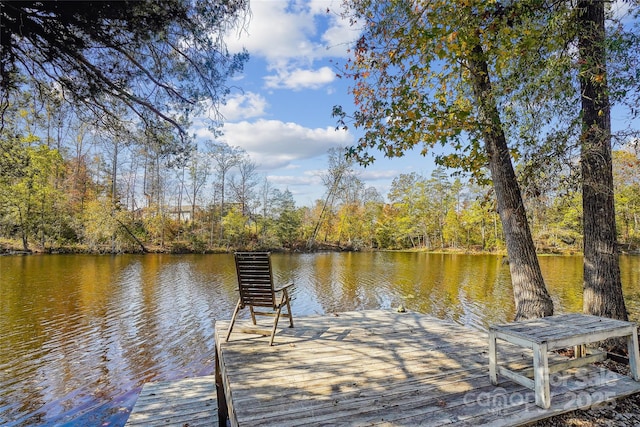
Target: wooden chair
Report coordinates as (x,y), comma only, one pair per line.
(255,283)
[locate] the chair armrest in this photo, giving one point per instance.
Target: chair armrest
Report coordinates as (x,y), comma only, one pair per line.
(282,288)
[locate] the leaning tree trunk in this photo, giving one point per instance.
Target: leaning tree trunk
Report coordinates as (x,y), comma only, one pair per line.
(529,291)
(602,286)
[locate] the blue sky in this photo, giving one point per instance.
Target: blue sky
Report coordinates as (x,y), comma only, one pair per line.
(280,112)
(280,109)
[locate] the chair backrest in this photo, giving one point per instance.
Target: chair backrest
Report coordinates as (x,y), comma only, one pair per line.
(255,281)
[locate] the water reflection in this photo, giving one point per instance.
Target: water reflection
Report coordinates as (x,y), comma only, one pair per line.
(81,334)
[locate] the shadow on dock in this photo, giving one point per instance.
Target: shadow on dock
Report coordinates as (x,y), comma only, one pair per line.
(380,367)
(373,367)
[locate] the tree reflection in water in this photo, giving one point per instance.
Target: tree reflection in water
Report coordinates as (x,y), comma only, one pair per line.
(81,334)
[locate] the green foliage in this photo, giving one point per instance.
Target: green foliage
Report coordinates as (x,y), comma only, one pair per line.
(98,225)
(474,219)
(626,169)
(288,219)
(288,227)
(235,225)
(412,85)
(452,230)
(29,196)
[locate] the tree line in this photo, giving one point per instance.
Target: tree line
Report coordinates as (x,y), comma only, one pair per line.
(108,190)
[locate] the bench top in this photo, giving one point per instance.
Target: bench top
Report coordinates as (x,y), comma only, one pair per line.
(565,329)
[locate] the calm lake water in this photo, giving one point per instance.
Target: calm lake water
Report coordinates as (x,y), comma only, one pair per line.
(81,334)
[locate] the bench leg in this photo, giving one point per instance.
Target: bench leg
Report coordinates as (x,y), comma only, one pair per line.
(541,375)
(634,356)
(493,373)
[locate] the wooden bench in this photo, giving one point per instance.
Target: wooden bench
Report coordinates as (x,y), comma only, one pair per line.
(553,333)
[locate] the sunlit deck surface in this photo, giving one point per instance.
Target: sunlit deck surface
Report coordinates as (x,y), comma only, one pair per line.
(188,402)
(386,368)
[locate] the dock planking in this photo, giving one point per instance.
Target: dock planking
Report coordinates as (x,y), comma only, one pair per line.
(384,368)
(187,402)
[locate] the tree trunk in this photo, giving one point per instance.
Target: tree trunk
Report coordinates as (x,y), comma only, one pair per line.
(23,231)
(530,293)
(602,286)
(133,236)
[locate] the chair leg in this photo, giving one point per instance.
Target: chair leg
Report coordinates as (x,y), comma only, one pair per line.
(233,320)
(275,324)
(253,314)
(289,311)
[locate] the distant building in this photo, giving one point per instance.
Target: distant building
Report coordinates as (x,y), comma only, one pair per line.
(184,213)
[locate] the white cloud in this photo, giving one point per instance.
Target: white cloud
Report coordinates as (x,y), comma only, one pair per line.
(305,188)
(340,36)
(244,106)
(276,32)
(275,144)
(300,79)
(291,36)
(295,180)
(379,174)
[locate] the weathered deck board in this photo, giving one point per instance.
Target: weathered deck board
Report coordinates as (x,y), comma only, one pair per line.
(191,401)
(392,369)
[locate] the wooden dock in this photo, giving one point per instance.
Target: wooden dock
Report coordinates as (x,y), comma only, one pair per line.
(389,369)
(188,402)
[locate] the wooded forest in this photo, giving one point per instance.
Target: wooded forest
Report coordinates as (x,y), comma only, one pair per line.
(96,188)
